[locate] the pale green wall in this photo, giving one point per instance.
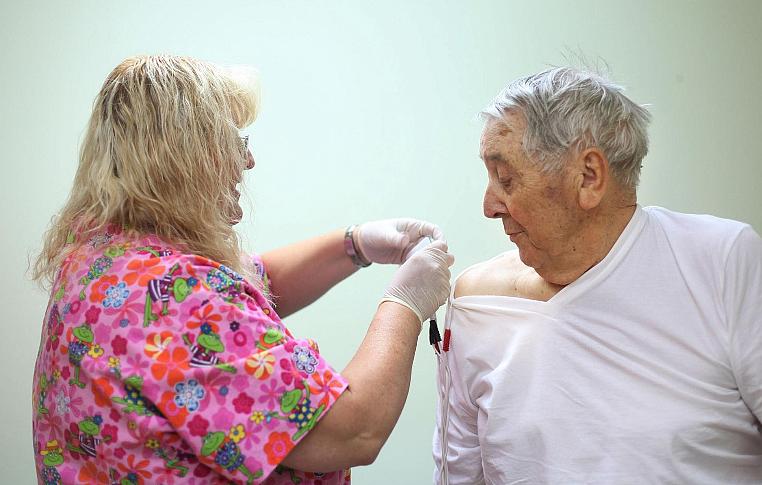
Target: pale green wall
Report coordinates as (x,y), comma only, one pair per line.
(369,112)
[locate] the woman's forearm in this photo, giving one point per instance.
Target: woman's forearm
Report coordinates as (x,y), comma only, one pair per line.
(359,423)
(302,272)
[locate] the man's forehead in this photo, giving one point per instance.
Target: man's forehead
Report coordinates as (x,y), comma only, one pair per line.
(511,121)
(494,135)
(495,128)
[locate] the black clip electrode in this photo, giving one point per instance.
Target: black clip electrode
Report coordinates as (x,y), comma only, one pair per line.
(434,337)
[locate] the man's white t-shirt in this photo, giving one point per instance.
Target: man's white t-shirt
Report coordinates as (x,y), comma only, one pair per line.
(646,369)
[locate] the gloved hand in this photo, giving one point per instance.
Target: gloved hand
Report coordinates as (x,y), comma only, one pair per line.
(391,240)
(422,283)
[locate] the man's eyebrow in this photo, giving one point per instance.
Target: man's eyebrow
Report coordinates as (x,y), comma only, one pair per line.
(492,157)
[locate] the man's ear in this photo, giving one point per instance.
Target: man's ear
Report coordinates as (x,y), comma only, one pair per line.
(593,182)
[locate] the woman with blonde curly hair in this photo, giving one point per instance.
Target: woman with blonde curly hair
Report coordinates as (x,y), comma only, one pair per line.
(163,357)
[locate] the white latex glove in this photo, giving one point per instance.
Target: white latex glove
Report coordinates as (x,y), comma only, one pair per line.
(391,240)
(422,283)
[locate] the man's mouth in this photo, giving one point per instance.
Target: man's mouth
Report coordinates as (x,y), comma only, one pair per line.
(514,235)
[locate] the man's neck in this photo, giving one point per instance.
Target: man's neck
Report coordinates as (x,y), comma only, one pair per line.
(598,233)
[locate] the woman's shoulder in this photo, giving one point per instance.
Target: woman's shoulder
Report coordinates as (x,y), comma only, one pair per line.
(150,255)
(165,272)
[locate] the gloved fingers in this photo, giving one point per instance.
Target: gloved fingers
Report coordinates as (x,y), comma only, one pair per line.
(394,240)
(437,250)
(418,245)
(450,260)
(419,229)
(439,245)
(429,229)
(378,242)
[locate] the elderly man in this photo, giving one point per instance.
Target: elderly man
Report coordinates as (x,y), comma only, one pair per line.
(619,344)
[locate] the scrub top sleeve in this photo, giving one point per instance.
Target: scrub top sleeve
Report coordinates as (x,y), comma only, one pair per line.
(742,296)
(261,271)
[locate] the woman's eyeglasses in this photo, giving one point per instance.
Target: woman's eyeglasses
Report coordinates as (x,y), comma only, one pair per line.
(244,144)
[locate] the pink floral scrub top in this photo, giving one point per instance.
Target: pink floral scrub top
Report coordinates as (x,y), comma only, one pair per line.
(157,366)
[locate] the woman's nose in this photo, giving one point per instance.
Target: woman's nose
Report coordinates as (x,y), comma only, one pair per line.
(250,160)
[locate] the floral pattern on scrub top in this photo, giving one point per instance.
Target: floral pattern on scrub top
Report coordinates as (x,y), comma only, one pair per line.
(157,366)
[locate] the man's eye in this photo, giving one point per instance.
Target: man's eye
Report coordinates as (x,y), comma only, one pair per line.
(506,183)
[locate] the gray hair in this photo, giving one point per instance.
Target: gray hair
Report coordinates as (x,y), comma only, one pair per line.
(567,108)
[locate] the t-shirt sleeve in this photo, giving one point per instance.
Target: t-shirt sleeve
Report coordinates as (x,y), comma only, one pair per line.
(456,436)
(459,433)
(230,379)
(742,296)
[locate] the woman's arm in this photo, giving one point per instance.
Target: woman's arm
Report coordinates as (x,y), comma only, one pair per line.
(302,272)
(358,424)
(353,431)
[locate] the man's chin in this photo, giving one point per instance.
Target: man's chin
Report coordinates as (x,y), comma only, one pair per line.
(526,256)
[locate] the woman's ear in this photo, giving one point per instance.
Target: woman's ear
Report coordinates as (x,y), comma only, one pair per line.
(593,183)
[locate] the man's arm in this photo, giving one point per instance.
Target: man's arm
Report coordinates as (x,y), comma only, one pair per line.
(461,432)
(459,427)
(742,296)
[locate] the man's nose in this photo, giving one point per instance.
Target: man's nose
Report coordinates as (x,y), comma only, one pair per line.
(493,206)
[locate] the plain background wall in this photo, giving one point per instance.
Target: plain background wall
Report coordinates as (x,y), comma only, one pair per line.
(369,112)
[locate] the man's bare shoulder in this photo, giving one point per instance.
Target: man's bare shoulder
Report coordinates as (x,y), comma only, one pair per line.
(489,277)
(505,275)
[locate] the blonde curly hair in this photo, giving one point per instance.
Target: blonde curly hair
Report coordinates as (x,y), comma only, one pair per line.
(161,155)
